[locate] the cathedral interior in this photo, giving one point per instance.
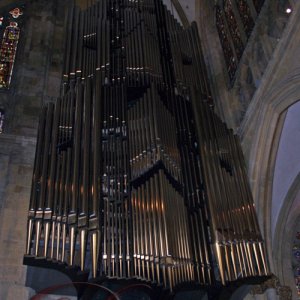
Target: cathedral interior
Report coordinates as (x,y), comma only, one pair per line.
(244,65)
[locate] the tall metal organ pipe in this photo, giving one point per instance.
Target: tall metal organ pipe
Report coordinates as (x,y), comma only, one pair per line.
(134,172)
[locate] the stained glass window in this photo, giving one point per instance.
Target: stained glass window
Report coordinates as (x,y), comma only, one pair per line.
(233,28)
(258,5)
(246,17)
(296,262)
(9,38)
(1,120)
(228,52)
(8,53)
(16,13)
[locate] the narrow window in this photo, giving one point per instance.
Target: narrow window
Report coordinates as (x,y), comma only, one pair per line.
(9,34)
(233,29)
(246,17)
(227,50)
(8,53)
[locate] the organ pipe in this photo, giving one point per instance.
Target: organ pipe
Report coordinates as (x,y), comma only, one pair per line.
(133,168)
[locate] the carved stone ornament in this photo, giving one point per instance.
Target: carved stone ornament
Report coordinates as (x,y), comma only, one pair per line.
(284,292)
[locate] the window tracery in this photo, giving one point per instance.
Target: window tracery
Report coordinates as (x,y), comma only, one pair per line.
(245,14)
(233,28)
(8,53)
(9,38)
(227,50)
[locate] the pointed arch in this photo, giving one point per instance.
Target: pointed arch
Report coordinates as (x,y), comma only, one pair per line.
(267,126)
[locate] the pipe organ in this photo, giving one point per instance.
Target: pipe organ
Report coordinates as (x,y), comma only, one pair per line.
(135,176)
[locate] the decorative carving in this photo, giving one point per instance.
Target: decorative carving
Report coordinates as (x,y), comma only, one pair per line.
(284,292)
(268,284)
(16,13)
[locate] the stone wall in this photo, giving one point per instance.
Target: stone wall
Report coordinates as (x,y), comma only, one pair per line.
(233,98)
(16,162)
(37,71)
(36,80)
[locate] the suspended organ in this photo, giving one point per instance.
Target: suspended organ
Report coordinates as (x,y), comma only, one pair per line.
(135,176)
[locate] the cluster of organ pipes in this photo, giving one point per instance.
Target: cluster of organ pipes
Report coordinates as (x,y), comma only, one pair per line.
(152,141)
(237,239)
(159,250)
(135,175)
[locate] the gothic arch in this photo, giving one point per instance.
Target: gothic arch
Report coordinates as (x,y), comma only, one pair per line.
(265,129)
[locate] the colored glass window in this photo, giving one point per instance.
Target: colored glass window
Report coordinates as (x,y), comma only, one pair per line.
(8,53)
(227,50)
(233,28)
(9,38)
